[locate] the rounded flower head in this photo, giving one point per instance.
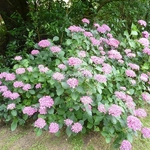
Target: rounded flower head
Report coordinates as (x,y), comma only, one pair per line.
(144,42)
(11,106)
(84,20)
(46,101)
(40,123)
(68,122)
(20,70)
(115,110)
(55,49)
(146,132)
(113,42)
(44,43)
(125,145)
(134,66)
(35,52)
(145,34)
(86,100)
(82,54)
(37,86)
(18,58)
(102,109)
(72,82)
(10,77)
(58,76)
(97,60)
(146,97)
(26,87)
(140,113)
(17,84)
(54,127)
(76,127)
(142,23)
(74,61)
(100,78)
(86,73)
(134,123)
(130,73)
(62,66)
(29,110)
(144,77)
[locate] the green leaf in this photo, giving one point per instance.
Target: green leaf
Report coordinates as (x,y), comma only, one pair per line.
(131,91)
(134,33)
(130,137)
(80,89)
(68,42)
(96,128)
(108,139)
(41,79)
(89,126)
(14,125)
(98,119)
(51,111)
(14,113)
(59,91)
(55,38)
(38,132)
(88,110)
(64,85)
(99,97)
(74,95)
(68,131)
(32,92)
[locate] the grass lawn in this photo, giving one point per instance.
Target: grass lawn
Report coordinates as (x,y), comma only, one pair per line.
(26,139)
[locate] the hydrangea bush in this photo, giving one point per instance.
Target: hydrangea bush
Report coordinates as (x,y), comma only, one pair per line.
(92,82)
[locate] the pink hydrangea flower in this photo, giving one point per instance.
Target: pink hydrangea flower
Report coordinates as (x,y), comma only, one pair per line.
(146,50)
(131,55)
(96,25)
(11,106)
(43,69)
(53,127)
(121,61)
(17,84)
(10,77)
(146,97)
(106,27)
(145,34)
(134,66)
(38,86)
(113,42)
(74,61)
(144,42)
(55,49)
(72,82)
(125,145)
(133,82)
(130,73)
(140,113)
(68,122)
(14,95)
(102,109)
(100,78)
(26,87)
(18,58)
(88,34)
(86,100)
(114,54)
(146,132)
(30,69)
(130,105)
(3,88)
(42,110)
(127,51)
(76,127)
(46,101)
(29,110)
(97,60)
(44,43)
(94,41)
(62,66)
(40,123)
(123,88)
(35,52)
(142,23)
(7,94)
(84,20)
(115,110)
(144,77)
(120,95)
(75,29)
(58,76)
(101,29)
(86,73)
(134,123)
(82,54)
(109,35)
(20,70)
(107,69)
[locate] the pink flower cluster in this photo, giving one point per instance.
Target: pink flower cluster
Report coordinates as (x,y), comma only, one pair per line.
(40,123)
(84,20)
(68,122)
(140,113)
(11,106)
(115,110)
(18,58)
(102,109)
(72,82)
(74,61)
(107,69)
(113,42)
(88,34)
(75,29)
(142,23)
(86,73)
(134,123)
(29,110)
(94,41)
(100,78)
(30,69)
(125,145)
(20,70)
(53,127)
(9,94)
(146,132)
(46,101)
(17,84)
(144,77)
(44,43)
(37,86)
(86,100)
(103,29)
(35,52)
(7,76)
(144,42)
(97,60)
(62,66)
(146,97)
(146,50)
(58,76)
(82,54)
(26,87)
(114,54)
(55,49)
(42,68)
(133,66)
(145,34)
(42,110)
(76,127)
(130,73)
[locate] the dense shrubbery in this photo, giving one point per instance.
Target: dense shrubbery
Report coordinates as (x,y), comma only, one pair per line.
(94,82)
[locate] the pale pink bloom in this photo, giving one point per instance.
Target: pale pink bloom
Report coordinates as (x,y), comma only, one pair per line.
(146,50)
(121,61)
(38,86)
(11,106)
(42,68)
(107,69)
(130,105)
(134,123)
(97,60)
(101,29)
(115,110)
(26,87)
(10,77)
(123,88)
(86,73)
(62,66)
(3,75)
(109,35)
(134,66)
(102,52)
(129,98)
(74,61)
(3,88)
(94,41)
(144,77)
(53,127)
(35,52)
(146,97)
(130,73)
(140,113)
(144,42)
(84,20)
(58,76)
(131,55)
(42,110)
(125,145)
(127,51)
(96,25)
(72,82)
(86,100)
(100,78)
(18,58)
(44,43)
(0,82)
(14,95)
(55,49)
(101,48)
(7,94)
(142,23)
(46,101)
(29,110)
(145,34)
(75,29)
(114,54)
(88,34)
(20,70)
(82,54)
(120,95)
(133,82)
(146,132)
(106,27)
(68,122)
(76,127)
(40,123)
(30,69)
(102,109)
(113,42)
